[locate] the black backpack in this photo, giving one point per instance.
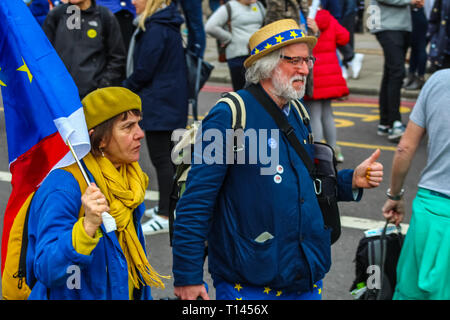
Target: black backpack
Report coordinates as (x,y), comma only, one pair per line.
(376,263)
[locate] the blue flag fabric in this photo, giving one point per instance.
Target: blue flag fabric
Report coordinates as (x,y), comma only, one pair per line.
(36,86)
(41,105)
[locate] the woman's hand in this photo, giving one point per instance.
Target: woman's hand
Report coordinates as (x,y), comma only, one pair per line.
(94,203)
(369,173)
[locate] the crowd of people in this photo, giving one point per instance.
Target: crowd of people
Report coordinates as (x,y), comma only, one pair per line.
(127,59)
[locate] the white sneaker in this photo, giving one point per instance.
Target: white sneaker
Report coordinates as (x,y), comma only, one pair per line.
(338,154)
(155,225)
(344,72)
(356,64)
(396,132)
(149,213)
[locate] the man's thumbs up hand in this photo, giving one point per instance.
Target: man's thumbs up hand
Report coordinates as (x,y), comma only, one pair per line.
(369,173)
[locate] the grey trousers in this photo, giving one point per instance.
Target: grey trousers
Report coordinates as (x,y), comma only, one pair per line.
(322,121)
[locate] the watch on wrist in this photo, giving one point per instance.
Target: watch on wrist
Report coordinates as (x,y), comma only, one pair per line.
(395,197)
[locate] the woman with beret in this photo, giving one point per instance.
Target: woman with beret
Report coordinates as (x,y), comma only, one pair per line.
(157,72)
(70,254)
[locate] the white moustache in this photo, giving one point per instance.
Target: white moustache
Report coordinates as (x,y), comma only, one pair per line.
(298,77)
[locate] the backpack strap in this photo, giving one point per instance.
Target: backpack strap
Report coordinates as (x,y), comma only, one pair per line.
(237,107)
(76,172)
(304,116)
(301,110)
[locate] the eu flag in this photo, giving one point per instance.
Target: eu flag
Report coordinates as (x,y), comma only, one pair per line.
(41,104)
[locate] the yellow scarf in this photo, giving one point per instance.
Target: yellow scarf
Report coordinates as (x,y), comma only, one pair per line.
(125,190)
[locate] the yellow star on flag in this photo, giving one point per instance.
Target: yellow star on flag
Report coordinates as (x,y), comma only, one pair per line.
(239,298)
(267,290)
(238,287)
(320,291)
(279,293)
(293,34)
(1,82)
(279,39)
(267,46)
(24,68)
(256,51)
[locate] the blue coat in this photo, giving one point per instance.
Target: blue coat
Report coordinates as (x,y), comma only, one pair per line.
(118,5)
(160,73)
(231,205)
(439,32)
(51,258)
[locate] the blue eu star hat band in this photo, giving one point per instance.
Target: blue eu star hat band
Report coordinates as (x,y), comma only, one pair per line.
(274,36)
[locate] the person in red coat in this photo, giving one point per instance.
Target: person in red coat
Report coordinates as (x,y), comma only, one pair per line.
(328,81)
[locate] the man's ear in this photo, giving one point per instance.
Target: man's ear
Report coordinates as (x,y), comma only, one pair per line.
(90,132)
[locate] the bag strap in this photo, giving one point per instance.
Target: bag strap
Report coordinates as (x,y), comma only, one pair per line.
(285,127)
(228,7)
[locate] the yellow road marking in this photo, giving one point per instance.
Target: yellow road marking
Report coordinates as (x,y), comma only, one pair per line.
(366,146)
(364,117)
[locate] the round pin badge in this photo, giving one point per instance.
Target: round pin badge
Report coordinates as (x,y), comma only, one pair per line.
(277,178)
(91,33)
(280,169)
(272,143)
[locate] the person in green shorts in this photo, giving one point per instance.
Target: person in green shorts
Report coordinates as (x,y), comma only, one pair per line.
(423,270)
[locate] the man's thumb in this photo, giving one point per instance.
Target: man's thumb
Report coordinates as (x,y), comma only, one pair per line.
(374,156)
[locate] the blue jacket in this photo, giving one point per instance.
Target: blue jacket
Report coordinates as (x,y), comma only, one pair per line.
(52,262)
(117,5)
(160,73)
(231,205)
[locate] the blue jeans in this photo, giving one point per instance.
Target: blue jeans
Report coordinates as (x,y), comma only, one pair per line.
(193,15)
(418,60)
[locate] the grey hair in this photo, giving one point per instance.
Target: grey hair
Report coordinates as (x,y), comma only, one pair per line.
(263,67)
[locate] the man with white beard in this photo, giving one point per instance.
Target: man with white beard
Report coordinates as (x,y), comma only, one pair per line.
(265,232)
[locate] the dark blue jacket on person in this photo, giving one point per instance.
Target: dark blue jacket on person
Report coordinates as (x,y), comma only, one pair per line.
(160,73)
(439,31)
(233,206)
(117,5)
(334,7)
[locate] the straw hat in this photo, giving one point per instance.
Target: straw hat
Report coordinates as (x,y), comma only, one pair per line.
(274,36)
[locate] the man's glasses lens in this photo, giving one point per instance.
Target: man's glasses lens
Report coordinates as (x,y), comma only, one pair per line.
(296,61)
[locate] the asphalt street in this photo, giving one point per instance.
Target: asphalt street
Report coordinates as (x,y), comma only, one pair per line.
(356,120)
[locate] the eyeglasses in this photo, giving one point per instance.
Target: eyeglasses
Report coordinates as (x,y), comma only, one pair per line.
(298,61)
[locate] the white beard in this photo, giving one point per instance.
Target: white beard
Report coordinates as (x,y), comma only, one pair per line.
(283,88)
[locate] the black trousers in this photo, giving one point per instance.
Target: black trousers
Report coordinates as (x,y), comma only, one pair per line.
(394,44)
(160,146)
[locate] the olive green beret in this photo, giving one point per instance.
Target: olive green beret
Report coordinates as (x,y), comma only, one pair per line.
(105,103)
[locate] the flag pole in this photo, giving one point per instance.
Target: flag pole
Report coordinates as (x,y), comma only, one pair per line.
(85,176)
(108,221)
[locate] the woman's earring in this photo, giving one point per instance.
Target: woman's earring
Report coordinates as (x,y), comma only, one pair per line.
(103,155)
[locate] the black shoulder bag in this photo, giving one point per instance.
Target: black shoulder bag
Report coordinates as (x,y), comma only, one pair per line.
(322,171)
